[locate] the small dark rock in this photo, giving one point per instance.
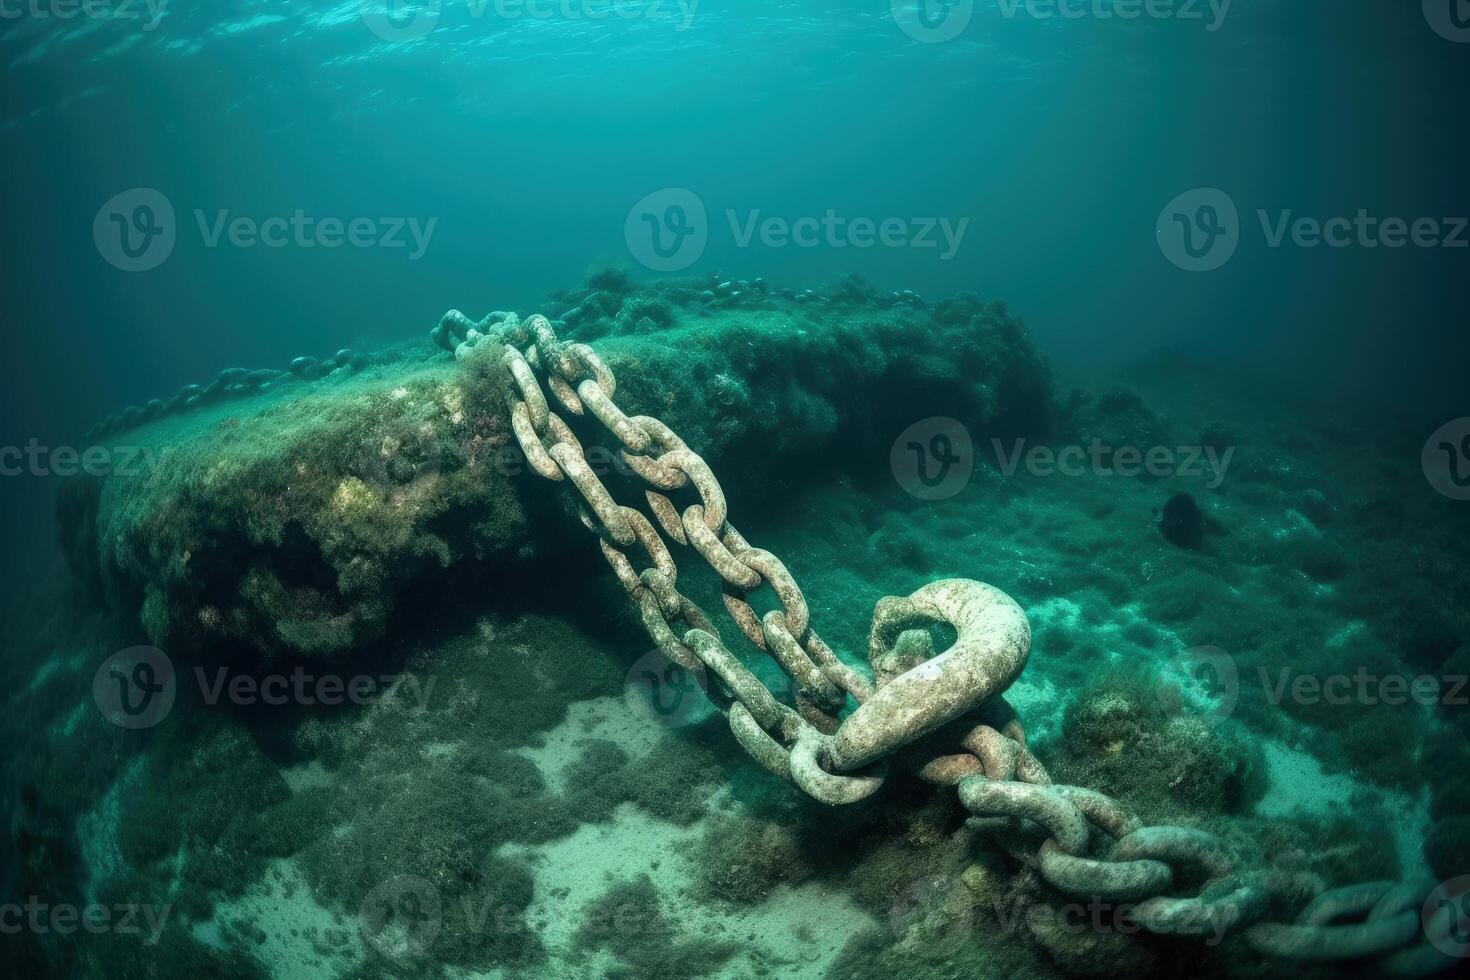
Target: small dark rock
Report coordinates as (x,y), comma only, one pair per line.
(1182,523)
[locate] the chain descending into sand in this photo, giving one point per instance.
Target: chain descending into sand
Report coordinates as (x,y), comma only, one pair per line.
(1083,843)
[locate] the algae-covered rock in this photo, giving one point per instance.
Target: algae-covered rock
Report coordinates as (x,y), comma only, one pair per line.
(1119,738)
(296,519)
(629,921)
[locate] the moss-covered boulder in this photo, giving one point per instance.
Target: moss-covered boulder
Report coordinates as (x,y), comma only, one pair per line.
(296,520)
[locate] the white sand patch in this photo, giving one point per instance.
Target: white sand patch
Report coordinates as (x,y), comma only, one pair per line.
(627,721)
(803,929)
(1298,783)
(1058,612)
(1036,702)
(311,775)
(284,928)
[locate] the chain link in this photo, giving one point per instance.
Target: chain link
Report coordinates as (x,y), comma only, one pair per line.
(1184,882)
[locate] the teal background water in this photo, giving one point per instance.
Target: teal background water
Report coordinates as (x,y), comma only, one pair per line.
(527,140)
(525,147)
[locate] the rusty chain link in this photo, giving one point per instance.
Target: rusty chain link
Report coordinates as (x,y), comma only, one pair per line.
(1178,881)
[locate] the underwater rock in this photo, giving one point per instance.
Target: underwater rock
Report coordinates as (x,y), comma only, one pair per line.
(1182,523)
(742,859)
(1115,419)
(630,922)
(1118,738)
(300,524)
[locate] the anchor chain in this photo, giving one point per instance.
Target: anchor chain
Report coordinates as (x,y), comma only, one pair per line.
(1176,880)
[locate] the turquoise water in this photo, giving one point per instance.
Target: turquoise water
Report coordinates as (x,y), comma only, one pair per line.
(909,277)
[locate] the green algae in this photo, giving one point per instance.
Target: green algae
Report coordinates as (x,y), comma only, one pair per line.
(1119,738)
(295,521)
(629,920)
(281,527)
